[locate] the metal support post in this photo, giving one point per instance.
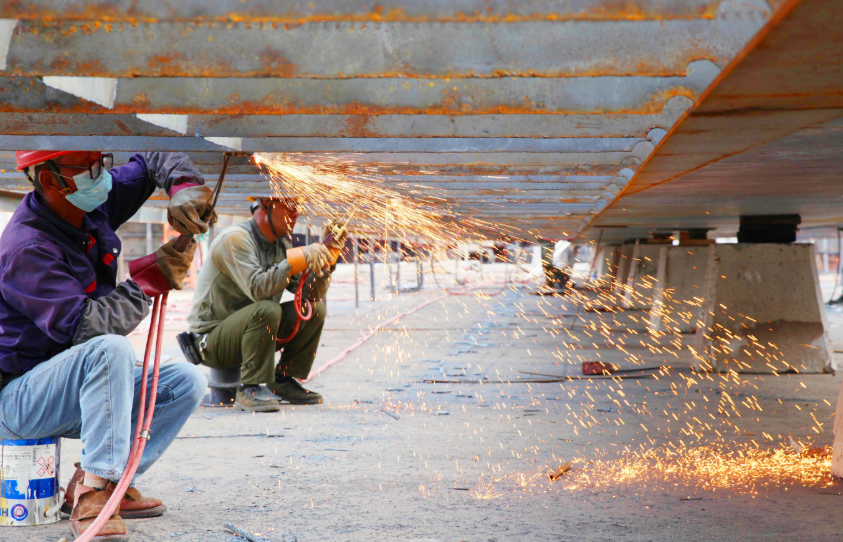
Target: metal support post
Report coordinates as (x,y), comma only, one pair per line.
(398,269)
(456,269)
(387,261)
(356,245)
(419,272)
(372,276)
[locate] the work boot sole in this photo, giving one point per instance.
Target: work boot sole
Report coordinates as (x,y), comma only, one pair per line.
(309,401)
(146,513)
(108,538)
(128,514)
(311,398)
(260,408)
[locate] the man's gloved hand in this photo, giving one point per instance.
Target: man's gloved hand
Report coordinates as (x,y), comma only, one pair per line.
(163,270)
(338,241)
(318,257)
(188,207)
(174,264)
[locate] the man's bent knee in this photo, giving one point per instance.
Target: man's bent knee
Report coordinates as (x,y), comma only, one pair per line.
(268,312)
(191,381)
(115,350)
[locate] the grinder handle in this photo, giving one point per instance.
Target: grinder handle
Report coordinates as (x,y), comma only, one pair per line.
(183,242)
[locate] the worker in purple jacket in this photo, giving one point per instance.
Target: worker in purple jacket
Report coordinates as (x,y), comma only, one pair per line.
(67,367)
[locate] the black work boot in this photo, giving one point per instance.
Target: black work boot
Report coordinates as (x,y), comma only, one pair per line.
(256,398)
(289,389)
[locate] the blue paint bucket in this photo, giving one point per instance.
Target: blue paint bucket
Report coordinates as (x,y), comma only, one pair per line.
(29,481)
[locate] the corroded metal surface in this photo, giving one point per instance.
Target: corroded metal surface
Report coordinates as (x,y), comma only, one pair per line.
(532,114)
(765,139)
(348,50)
(299,11)
(360,96)
(515,125)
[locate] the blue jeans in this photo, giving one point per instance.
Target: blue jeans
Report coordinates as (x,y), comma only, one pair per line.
(92,392)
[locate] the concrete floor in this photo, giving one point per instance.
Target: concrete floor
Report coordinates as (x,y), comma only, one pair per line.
(391,458)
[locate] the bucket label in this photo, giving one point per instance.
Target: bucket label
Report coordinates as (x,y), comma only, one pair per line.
(29,472)
(29,484)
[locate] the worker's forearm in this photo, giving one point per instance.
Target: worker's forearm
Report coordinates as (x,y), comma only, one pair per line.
(117,313)
(166,169)
(269,284)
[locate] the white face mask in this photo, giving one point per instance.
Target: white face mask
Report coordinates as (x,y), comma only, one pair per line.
(90,193)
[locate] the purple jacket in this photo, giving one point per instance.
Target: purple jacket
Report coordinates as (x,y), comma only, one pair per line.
(49,268)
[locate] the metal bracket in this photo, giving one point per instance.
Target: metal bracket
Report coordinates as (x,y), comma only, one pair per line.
(145,435)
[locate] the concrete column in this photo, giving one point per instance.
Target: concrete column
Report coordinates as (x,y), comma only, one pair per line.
(624,264)
(608,260)
(641,277)
(763,311)
(678,293)
(658,308)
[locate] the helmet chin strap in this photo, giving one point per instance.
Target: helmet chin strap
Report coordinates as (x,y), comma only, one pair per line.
(269,218)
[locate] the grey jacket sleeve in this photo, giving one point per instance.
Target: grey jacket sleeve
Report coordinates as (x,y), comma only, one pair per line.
(117,313)
(236,257)
(170,168)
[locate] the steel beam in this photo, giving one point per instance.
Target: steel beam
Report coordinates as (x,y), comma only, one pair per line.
(302,11)
(257,126)
(351,49)
(285,96)
(128,143)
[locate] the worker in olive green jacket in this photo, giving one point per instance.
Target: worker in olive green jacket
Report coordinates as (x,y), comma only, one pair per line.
(237,315)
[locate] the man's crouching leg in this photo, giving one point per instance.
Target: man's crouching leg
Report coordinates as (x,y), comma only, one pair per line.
(104,375)
(247,339)
(298,355)
(181,387)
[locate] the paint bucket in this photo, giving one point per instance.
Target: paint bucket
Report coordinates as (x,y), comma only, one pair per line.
(29,481)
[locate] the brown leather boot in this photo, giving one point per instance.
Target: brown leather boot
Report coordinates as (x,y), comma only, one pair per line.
(70,493)
(133,506)
(136,506)
(89,503)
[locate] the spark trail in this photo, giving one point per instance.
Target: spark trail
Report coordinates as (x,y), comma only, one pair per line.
(331,187)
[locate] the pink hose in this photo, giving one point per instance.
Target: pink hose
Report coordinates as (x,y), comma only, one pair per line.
(159,310)
(368,335)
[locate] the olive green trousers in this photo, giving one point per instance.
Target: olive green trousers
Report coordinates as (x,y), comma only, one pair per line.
(247,339)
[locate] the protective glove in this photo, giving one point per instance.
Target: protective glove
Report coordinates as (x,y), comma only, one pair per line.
(318,257)
(315,256)
(187,209)
(163,270)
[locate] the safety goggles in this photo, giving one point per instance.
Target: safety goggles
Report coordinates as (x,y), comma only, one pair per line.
(95,168)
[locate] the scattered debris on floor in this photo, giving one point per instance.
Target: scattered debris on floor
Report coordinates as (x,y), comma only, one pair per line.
(557,474)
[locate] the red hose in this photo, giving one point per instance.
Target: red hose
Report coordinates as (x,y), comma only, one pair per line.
(299,305)
(159,309)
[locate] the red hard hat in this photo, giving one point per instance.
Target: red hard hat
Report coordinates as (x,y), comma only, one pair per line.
(25,159)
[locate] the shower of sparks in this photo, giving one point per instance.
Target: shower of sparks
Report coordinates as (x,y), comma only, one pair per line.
(686,427)
(744,469)
(331,188)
